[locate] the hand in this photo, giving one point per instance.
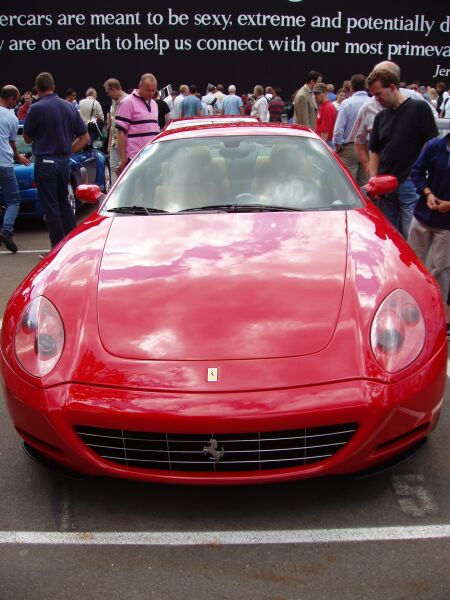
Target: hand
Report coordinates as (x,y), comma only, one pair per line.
(23,160)
(432,202)
(120,167)
(443,206)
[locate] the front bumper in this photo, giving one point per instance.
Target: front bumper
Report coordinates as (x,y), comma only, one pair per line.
(390,419)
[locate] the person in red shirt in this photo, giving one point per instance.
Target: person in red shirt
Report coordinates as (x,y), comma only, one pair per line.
(326,116)
(23,110)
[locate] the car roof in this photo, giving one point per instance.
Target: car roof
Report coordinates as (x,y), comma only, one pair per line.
(236,128)
(210,120)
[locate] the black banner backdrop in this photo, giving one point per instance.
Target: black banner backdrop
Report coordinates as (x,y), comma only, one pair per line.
(273,43)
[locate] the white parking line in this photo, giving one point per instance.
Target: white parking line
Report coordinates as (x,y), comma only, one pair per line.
(226,538)
(25,251)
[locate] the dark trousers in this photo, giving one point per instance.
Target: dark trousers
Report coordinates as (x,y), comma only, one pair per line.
(52,179)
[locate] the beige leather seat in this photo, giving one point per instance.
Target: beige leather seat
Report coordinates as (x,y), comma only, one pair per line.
(191,179)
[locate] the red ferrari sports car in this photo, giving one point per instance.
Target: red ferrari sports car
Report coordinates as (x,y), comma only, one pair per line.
(236,311)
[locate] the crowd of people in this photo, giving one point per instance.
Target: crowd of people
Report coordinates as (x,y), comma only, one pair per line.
(376,124)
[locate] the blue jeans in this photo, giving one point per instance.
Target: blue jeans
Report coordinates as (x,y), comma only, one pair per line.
(399,206)
(52,175)
(11,197)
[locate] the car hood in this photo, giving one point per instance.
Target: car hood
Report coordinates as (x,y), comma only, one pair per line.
(221,286)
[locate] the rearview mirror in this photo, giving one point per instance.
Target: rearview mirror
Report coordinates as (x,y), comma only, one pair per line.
(90,194)
(380,185)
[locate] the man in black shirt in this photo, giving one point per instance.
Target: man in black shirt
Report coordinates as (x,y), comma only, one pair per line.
(398,136)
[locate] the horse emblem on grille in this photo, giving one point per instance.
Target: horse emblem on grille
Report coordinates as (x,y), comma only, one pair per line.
(214,454)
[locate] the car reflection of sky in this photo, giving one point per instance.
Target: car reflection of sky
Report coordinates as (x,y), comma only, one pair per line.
(222,285)
(165,412)
(375,255)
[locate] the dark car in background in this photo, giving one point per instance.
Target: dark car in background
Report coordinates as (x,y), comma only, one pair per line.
(90,166)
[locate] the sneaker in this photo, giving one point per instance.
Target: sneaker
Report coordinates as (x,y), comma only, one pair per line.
(6,238)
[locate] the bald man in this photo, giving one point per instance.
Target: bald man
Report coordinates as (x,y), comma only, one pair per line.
(9,96)
(137,120)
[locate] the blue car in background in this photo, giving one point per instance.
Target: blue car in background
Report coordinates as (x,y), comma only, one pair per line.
(88,166)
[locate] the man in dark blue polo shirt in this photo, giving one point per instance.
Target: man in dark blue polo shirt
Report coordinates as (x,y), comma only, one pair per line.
(56,130)
(429,235)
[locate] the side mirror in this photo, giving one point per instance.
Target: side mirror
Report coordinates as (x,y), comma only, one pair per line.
(380,185)
(90,194)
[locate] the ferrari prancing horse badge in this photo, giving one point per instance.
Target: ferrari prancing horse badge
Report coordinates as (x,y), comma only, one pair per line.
(213,374)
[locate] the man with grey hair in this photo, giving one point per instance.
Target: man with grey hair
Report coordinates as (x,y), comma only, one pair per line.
(92,114)
(113,90)
(261,107)
(137,120)
(210,99)
(232,104)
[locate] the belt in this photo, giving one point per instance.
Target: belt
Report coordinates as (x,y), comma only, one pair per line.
(40,156)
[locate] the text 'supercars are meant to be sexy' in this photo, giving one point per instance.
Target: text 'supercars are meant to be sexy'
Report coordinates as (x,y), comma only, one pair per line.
(236,311)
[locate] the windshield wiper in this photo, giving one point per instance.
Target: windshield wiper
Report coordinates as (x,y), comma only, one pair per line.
(135,210)
(241,208)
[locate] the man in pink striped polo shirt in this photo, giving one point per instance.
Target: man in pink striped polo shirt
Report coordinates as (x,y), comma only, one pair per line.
(136,120)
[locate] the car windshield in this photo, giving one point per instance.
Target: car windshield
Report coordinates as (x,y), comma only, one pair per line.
(233,173)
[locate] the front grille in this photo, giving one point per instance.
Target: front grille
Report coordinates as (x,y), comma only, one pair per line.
(217,452)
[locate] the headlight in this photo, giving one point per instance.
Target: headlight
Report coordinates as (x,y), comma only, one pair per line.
(398,331)
(39,339)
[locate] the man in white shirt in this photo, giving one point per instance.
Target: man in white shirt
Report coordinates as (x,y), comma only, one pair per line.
(90,107)
(343,141)
(176,111)
(169,100)
(210,98)
(261,107)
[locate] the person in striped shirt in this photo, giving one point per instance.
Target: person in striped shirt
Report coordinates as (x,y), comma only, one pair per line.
(276,107)
(136,120)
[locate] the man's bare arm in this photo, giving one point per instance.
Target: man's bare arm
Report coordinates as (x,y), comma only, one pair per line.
(363,155)
(79,143)
(374,163)
(19,158)
(122,148)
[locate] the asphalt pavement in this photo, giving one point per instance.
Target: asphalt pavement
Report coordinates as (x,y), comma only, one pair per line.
(383,537)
